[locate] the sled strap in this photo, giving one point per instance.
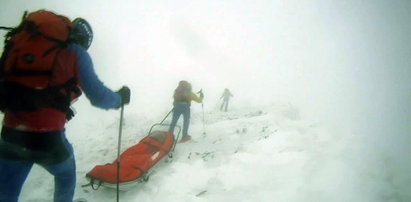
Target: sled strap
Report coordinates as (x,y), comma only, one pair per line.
(141,170)
(93,185)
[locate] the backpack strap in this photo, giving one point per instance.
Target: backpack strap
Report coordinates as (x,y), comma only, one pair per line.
(14,30)
(62,102)
(20,98)
(31,27)
(6,28)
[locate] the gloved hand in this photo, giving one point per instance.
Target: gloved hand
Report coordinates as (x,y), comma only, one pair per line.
(201,94)
(124,93)
(69,114)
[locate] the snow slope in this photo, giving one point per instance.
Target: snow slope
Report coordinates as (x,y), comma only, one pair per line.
(268,153)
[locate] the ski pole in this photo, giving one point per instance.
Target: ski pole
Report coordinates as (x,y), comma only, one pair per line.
(202,107)
(120,130)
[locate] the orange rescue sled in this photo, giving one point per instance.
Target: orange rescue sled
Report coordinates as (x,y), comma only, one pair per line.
(135,162)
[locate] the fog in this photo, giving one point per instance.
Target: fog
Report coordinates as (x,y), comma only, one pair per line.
(345,64)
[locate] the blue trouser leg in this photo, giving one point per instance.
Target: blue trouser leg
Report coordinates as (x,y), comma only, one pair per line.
(13,173)
(181,109)
(176,115)
(64,175)
(186,123)
(64,179)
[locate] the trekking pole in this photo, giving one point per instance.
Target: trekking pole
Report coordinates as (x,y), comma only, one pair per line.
(120,130)
(202,107)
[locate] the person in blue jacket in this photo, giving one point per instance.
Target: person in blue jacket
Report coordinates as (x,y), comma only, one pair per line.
(38,137)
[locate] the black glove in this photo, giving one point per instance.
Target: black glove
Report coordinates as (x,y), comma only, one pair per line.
(69,114)
(201,94)
(124,93)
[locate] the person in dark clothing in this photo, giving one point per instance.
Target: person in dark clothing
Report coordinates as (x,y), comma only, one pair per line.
(38,136)
(225,97)
(183,96)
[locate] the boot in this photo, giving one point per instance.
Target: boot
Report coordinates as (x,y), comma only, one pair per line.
(185,138)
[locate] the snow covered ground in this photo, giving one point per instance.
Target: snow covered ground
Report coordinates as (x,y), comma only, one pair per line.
(267,153)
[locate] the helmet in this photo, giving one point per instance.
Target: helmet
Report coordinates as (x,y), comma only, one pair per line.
(82,33)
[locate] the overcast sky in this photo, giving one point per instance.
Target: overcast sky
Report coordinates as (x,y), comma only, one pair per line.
(345,62)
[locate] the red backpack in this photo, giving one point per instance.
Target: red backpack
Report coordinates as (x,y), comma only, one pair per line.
(28,61)
(182,92)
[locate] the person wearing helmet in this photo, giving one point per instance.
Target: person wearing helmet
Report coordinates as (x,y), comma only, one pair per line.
(183,96)
(38,136)
(82,33)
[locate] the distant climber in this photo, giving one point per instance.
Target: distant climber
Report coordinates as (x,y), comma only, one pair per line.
(226,97)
